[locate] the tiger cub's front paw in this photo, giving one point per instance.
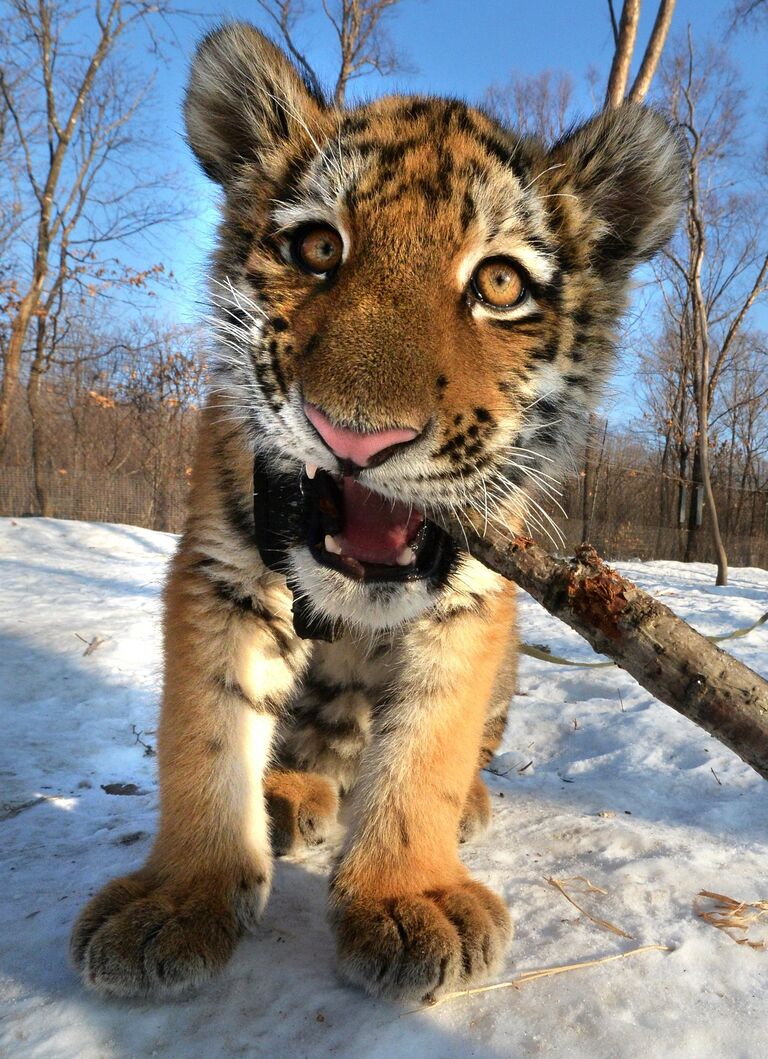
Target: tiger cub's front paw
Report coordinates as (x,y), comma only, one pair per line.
(140,936)
(418,946)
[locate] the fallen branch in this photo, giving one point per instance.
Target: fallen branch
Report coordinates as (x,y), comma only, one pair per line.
(666,656)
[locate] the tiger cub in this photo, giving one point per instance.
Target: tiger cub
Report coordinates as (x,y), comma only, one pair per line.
(413,309)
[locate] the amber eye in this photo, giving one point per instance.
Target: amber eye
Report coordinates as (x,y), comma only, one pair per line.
(317,248)
(499,282)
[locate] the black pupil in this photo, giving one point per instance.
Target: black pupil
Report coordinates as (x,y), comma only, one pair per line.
(321,248)
(502,277)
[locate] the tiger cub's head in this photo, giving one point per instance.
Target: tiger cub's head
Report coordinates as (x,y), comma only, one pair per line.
(415,306)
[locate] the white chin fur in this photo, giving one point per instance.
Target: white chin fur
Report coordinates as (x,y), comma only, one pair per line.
(366,606)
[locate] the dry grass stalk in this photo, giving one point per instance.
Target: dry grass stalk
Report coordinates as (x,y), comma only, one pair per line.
(559,884)
(530,976)
(728,914)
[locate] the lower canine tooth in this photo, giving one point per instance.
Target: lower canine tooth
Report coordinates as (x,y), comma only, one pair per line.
(332,545)
(311,469)
(406,557)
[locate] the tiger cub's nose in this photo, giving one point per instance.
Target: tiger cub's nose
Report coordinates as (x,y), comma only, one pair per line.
(362,449)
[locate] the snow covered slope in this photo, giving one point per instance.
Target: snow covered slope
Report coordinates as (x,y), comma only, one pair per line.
(619,789)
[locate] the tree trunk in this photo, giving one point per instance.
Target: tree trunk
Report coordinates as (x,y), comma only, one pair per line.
(694,508)
(730,522)
(653,51)
(36,415)
(703,381)
(12,363)
(683,453)
(663,515)
(714,522)
(622,57)
(587,506)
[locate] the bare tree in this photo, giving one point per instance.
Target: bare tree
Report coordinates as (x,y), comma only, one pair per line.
(115,432)
(537,105)
(717,269)
(624,37)
(748,13)
(359,25)
(741,411)
(542,106)
(79,186)
(625,40)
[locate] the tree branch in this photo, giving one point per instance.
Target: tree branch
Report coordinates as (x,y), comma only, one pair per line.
(622,56)
(284,14)
(653,51)
(666,656)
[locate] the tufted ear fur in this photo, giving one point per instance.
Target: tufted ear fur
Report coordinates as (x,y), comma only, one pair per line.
(246,103)
(625,169)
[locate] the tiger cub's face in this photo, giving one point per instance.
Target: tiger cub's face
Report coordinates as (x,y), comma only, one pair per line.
(414,307)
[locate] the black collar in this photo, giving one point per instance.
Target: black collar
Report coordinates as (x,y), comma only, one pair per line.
(280,519)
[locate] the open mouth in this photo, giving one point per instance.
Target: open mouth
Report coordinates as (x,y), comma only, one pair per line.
(367,536)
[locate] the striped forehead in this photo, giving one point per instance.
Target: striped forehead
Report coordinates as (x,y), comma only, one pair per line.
(433,158)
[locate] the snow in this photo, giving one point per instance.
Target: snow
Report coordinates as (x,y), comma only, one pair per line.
(620,790)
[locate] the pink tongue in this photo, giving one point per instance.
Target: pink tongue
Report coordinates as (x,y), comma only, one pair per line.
(375,529)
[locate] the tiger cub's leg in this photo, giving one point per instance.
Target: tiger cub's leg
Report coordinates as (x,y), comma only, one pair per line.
(476,817)
(231,662)
(302,808)
(408,917)
(322,739)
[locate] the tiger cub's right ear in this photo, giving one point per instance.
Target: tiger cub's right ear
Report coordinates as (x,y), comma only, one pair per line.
(247,104)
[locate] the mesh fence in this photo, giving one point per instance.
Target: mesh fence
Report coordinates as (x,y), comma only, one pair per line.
(636,540)
(131,499)
(161,504)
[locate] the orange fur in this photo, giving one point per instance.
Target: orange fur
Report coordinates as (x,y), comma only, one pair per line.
(401,711)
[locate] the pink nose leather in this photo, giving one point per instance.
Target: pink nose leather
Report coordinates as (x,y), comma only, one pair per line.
(354,446)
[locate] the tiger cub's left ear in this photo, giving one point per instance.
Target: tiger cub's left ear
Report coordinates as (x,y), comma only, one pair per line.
(621,178)
(247,104)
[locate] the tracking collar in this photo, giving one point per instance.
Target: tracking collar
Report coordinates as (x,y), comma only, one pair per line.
(280,519)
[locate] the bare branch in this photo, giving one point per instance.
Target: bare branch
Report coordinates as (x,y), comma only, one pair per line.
(360,33)
(653,51)
(72,130)
(285,14)
(622,57)
(748,12)
(664,654)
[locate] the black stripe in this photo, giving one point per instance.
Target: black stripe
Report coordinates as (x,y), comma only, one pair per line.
(325,692)
(515,325)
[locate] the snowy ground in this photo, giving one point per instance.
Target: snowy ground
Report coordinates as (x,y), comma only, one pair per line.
(621,790)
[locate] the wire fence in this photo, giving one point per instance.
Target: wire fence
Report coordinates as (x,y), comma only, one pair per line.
(138,500)
(91,497)
(629,539)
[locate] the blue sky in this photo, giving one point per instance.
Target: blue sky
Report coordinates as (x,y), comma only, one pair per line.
(456,47)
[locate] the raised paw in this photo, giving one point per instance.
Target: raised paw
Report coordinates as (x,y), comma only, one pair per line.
(139,936)
(302,807)
(476,817)
(416,947)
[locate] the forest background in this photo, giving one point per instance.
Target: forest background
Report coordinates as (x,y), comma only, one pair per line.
(105,225)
